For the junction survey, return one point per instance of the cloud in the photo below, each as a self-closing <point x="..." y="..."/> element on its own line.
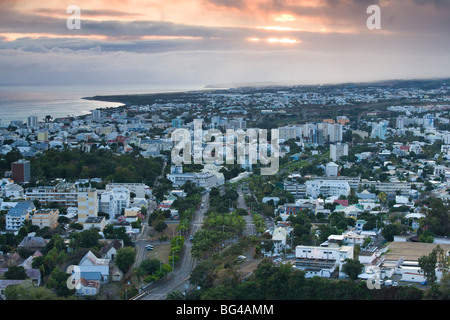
<point x="413" y="42"/>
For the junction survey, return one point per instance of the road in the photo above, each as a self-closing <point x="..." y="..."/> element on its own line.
<point x="250" y="226"/>
<point x="179" y="278"/>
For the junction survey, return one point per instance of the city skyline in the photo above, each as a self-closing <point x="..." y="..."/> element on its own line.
<point x="201" y="42"/>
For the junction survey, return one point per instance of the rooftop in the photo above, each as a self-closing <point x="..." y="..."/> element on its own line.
<point x="411" y="250"/>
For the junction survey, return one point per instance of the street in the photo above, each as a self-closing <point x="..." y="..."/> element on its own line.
<point x="179" y="278"/>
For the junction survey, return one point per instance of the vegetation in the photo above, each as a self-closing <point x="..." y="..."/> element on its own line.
<point x="286" y="283"/>
<point x="73" y="164"/>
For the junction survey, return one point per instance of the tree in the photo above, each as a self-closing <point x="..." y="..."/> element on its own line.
<point x="390" y="231"/>
<point x="125" y="258"/>
<point x="58" y="282"/>
<point x="428" y="265"/>
<point x="175" y="295"/>
<point x="160" y="226"/>
<point x="352" y="268"/>
<point x="149" y="267"/>
<point x="15" y="273"/>
<point x="29" y="292"/>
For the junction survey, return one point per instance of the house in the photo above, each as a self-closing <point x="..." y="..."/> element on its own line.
<point x="5" y="283"/>
<point x="331" y="169"/>
<point x="116" y="274"/>
<point x="14" y="190"/>
<point x="109" y="251"/>
<point x="90" y="259"/>
<point x="93" y="268"/>
<point x="32" y="243"/>
<point x="95" y="222"/>
<point x="33" y="275"/>
<point x="27" y="264"/>
<point x="87" y="287"/>
<point x="279" y="236"/>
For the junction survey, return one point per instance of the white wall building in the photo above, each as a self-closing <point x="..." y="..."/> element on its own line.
<point x="338" y="150"/>
<point x="113" y="202"/>
<point x="331" y="169"/>
<point x="327" y="188"/>
<point x="321" y="261"/>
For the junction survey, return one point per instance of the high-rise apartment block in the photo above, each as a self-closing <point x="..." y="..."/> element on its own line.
<point x="21" y="171"/>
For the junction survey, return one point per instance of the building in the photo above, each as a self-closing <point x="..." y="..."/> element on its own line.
<point x="18" y="214"/>
<point x="391" y="189"/>
<point x="331" y="169"/>
<point x="237" y="123"/>
<point x="13" y="190"/>
<point x="64" y="194"/>
<point x="206" y="179"/>
<point x="42" y="136"/>
<point x="289" y="209"/>
<point x="137" y="188"/>
<point x="32" y="244"/>
<point x="32" y="121"/>
<point x="405" y="257"/>
<point x="87" y="204"/>
<point x="327" y="188"/>
<point x="338" y="150"/>
<point x="298" y="190"/>
<point x="94" y="222"/>
<point x="286" y="133"/>
<point x="115" y="201"/>
<point x="379" y="130"/>
<point x="46" y="218"/>
<point x="322" y="261"/>
<point x="21" y="171"/>
<point x="177" y="123"/>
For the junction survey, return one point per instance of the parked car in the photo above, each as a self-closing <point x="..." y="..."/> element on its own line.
<point x="149" y="247"/>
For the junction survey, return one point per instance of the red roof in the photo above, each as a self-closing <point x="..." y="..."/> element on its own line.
<point x="343" y="203"/>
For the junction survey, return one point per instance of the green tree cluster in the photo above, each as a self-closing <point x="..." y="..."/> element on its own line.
<point x="72" y="164"/>
<point x="286" y="283"/>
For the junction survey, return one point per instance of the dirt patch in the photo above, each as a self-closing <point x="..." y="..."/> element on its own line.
<point x="169" y="233"/>
<point x="160" y="252"/>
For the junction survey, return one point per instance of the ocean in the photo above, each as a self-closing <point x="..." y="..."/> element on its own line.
<point x="20" y="102"/>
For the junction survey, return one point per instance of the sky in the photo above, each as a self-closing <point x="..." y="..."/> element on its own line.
<point x="208" y="42"/>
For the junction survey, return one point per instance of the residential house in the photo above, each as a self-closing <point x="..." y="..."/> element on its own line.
<point x="87" y="287"/>
<point x="94" y="222"/>
<point x="116" y="274"/>
<point x="109" y="250"/>
<point x="93" y="268"/>
<point x="32" y="243"/>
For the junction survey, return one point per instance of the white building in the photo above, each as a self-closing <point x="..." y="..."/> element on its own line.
<point x="17" y="215"/>
<point x="338" y="150"/>
<point x="139" y="189"/>
<point x="206" y="179"/>
<point x="328" y="188"/>
<point x="288" y="132"/>
<point x="331" y="169"/>
<point x="321" y="261"/>
<point x="115" y="201"/>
